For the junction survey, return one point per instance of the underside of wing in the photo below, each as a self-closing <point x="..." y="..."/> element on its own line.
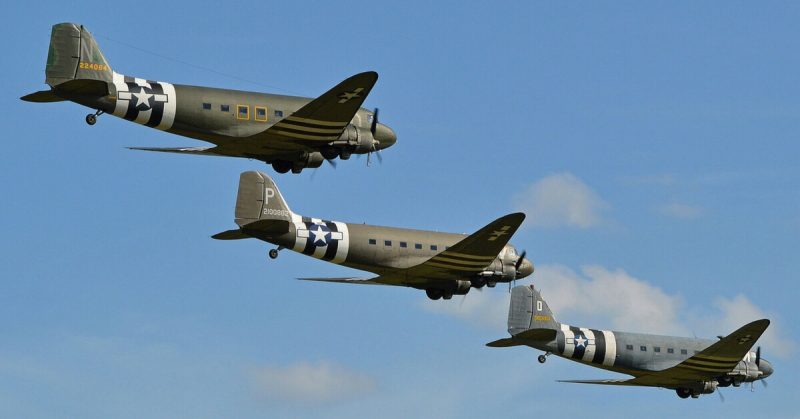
<point x="609" y="382"/>
<point x="378" y="280"/>
<point x="203" y="151"/>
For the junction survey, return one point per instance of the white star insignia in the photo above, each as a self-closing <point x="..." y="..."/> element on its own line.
<point x="319" y="234"/>
<point x="580" y="341"/>
<point x="143" y="98"/>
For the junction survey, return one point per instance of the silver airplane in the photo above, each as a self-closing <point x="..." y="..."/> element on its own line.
<point x="690" y="366"/>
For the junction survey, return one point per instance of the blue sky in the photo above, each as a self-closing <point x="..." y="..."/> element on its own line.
<point x="653" y="146"/>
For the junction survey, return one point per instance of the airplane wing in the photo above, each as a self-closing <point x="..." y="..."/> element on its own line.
<point x="324" y="118"/>
<point x="717" y="359"/>
<point x="204" y="151"/>
<point x="464" y="259"/>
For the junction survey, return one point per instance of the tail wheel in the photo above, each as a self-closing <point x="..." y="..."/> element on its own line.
<point x="91" y="119"/>
<point x="542" y="359"/>
<point x="273" y="253"/>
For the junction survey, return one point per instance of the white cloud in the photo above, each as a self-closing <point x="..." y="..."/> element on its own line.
<point x="684" y="211"/>
<point x="613" y="299"/>
<point x="308" y="383"/>
<point x="561" y="200"/>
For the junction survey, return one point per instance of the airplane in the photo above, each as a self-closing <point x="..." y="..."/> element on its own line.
<point x="690" y="366"/>
<point x="288" y="132"/>
<point x="442" y="264"/>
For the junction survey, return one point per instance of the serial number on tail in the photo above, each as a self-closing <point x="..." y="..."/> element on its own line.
<point x="92" y="66"/>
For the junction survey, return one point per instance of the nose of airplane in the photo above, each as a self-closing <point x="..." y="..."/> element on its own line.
<point x="525" y="269"/>
<point x="385" y="136"/>
<point x="765" y="367"/>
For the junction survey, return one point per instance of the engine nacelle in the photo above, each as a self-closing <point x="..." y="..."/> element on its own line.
<point x="462" y="287"/>
<point x="355" y="139"/>
<point x="708" y="387"/>
<point x="310" y="160"/>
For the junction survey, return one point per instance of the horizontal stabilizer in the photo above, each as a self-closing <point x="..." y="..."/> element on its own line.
<point x="267" y="226"/>
<point x="203" y="151"/>
<point x="505" y="343"/>
<point x="43" y="96"/>
<point x="544" y="335"/>
<point x="231" y="235"/>
<point x="537" y="334"/>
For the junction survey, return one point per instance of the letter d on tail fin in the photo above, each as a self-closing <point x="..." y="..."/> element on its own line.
<point x="259" y="199"/>
<point x="74" y="55"/>
<point x="528" y="310"/>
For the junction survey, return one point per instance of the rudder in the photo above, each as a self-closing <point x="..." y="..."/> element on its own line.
<point x="74" y="55"/>
<point x="528" y="310"/>
<point x="258" y="198"/>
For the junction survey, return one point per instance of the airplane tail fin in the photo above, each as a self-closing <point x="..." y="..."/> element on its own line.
<point x="528" y="310"/>
<point x="259" y="199"/>
<point x="74" y="55"/>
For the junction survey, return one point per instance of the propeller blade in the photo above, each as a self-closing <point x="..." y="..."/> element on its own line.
<point x="764" y="382"/>
<point x="520" y="259"/>
<point x="721" y="397"/>
<point x="758" y="356"/>
<point x="374" y="126"/>
<point x="332" y="163"/>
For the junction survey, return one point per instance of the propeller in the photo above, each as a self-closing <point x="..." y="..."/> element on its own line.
<point x="373" y="129"/>
<point x="520" y="259"/>
<point x="758" y="356"/>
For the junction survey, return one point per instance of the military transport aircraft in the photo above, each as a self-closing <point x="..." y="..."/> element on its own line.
<point x="442" y="264"/>
<point x="689" y="366"/>
<point x="290" y="133"/>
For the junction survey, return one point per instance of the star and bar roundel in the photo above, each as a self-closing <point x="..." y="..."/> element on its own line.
<point x="322" y="239"/>
<point x="145" y="102"/>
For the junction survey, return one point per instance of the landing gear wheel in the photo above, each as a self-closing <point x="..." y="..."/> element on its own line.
<point x="542" y="359"/>
<point x="91" y="119"/>
<point x="434" y="294"/>
<point x="683" y="392"/>
<point x="447" y="296"/>
<point x="329" y="153"/>
<point x="273" y="253"/>
<point x="281" y="166"/>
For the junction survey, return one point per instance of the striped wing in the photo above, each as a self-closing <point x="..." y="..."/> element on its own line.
<point x="470" y="256"/>
<point x="325" y="118"/>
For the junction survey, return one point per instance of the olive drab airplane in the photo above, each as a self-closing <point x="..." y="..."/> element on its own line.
<point x="290" y="133"/>
<point x="442" y="264"/>
<point x="690" y="366"/>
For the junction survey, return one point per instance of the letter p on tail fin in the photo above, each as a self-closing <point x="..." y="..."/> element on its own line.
<point x="259" y="199"/>
<point x="74" y="55"/>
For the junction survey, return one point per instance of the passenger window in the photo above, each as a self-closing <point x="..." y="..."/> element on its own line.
<point x="434" y="247"/>
<point x="225" y="108"/>
<point x="261" y="113"/>
<point x="387" y="242"/>
<point x="670" y="351"/>
<point x="418" y="246"/>
<point x="242" y="112"/>
<point x="643" y="348"/>
<point x="683" y="352"/>
<point x="279" y="114"/>
<point x="372" y="241"/>
<point x="207" y="106"/>
<point x="403" y="244"/>
<point x="629" y="347"/>
<point x="656" y="349"/>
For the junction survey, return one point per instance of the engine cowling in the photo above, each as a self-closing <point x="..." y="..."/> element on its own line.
<point x="355" y="139"/>
<point x="310" y="160"/>
<point x="462" y="287"/>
